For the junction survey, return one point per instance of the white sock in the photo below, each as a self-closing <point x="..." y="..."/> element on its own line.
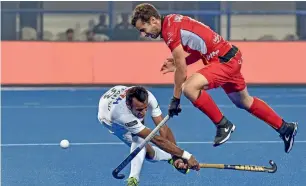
<point x="160" y="155"/>
<point x="137" y="162"/>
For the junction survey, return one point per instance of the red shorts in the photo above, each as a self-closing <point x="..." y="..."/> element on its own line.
<point x="226" y="75"/>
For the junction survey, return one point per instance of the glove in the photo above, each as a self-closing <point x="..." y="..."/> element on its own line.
<point x="174" y="107"/>
<point x="172" y="162"/>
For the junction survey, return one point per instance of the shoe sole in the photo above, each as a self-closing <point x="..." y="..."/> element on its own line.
<point x="293" y="136"/>
<point x="227" y="137"/>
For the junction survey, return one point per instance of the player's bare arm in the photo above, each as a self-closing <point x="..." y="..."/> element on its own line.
<point x="180" y="73"/>
<point x="171" y="148"/>
<point x="165" y="131"/>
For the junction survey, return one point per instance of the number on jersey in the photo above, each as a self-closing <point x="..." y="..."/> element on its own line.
<point x="114" y="96"/>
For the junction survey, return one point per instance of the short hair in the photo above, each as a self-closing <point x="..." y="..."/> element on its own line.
<point x="69" y="30"/>
<point x="138" y="92"/>
<point x="144" y="12"/>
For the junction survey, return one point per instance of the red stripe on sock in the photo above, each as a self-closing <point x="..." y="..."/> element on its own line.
<point x="264" y="112"/>
<point x="207" y="105"/>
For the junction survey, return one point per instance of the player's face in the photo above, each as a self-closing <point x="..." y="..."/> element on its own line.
<point x="138" y="108"/>
<point x="150" y="29"/>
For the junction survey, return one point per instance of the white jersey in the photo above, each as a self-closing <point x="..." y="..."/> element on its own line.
<point x="114" y="111"/>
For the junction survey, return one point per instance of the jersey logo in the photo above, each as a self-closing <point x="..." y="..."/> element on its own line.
<point x="132" y="123"/>
<point x="169" y="41"/>
<point x="217" y="39"/>
<point x="212" y="54"/>
<point x="169" y="34"/>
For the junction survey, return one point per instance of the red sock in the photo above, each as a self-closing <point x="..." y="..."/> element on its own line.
<point x="208" y="107"/>
<point x="262" y="110"/>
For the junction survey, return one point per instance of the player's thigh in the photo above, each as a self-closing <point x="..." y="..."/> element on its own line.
<point x="194" y="84"/>
<point x="196" y="81"/>
<point x="214" y="74"/>
<point x="235" y="84"/>
<point x="235" y="81"/>
<point x="136" y="141"/>
<point x="121" y="133"/>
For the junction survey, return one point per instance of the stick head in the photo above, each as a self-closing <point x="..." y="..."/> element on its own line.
<point x="273" y="169"/>
<point x="118" y="176"/>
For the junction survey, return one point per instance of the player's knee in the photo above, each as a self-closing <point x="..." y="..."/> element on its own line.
<point x="150" y="157"/>
<point x="150" y="153"/>
<point x="193" y="86"/>
<point x="188" y="90"/>
<point x="185" y="89"/>
<point x="239" y="104"/>
<point x="244" y="103"/>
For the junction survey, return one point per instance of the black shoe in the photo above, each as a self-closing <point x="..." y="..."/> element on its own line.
<point x="287" y="133"/>
<point x="224" y="130"/>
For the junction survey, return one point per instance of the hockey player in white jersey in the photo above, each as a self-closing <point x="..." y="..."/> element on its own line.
<point x="122" y="110"/>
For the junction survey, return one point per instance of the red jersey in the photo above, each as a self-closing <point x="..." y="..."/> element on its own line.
<point x="195" y="37"/>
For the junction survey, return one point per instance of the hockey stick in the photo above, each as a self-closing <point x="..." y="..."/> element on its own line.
<point x="251" y="168"/>
<point x="137" y="150"/>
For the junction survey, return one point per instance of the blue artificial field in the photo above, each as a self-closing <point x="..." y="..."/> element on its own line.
<point x="35" y="121"/>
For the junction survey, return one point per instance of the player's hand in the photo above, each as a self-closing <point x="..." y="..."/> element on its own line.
<point x="168" y="66"/>
<point x="174" y="107"/>
<point x="193" y="164"/>
<point x="180" y="163"/>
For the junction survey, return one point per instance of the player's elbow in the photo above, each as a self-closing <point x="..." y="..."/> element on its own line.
<point x="188" y="89"/>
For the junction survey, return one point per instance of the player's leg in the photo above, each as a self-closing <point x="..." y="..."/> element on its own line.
<point x="137" y="162"/>
<point x="237" y="91"/>
<point x="126" y="137"/>
<point x="195" y="90"/>
<point x="263" y="111"/>
<point x="155" y="154"/>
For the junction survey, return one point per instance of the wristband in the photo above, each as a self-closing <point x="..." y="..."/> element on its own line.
<point x="186" y="155"/>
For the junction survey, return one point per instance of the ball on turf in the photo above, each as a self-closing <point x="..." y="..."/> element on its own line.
<point x="64" y="144"/>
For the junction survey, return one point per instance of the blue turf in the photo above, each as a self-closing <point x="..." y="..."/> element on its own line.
<point x="50" y="116"/>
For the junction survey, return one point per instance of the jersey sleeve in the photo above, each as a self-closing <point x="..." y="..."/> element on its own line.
<point x="130" y="123"/>
<point x="171" y="31"/>
<point x="154" y="106"/>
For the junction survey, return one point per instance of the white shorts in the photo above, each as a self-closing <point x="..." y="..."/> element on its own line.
<point x="124" y="135"/>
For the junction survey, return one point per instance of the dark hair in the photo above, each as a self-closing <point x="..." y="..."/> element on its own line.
<point x="144" y="12"/>
<point x="137" y="92"/>
<point x="69" y="30"/>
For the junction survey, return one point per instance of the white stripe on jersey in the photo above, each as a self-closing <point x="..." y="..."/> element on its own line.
<point x="194" y="41"/>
